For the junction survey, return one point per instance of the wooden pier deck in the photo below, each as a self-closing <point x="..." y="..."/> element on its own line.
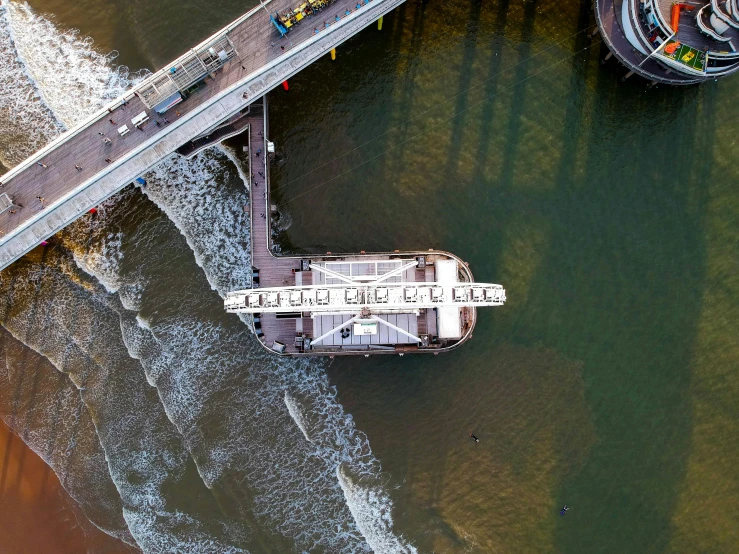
<point x="80" y="169"/>
<point x="274" y="271"/>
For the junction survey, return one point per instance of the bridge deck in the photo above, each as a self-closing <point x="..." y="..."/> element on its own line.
<point x="257" y="43"/>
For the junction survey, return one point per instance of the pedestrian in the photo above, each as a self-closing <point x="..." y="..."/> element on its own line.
<point x="77" y="167"/>
<point x="106" y="140"/>
<point x="256" y="184"/>
<point x="263" y="216"/>
<point x="40" y="199"/>
<point x="110" y="110"/>
<point x="242" y="67"/>
<point x="259" y="151"/>
<point x="111" y="122"/>
<point x="101" y="134"/>
<point x="158" y="124"/>
<point x="140" y="129"/>
<point x="315" y="30"/>
<point x="42" y="165"/>
<point x="245" y="95"/>
<point x="166" y="120"/>
<point x="259" y="133"/>
<point x="12" y="212"/>
<point x="283" y="48"/>
<point x="108" y="160"/>
<point x="272" y="45"/>
<point x="178" y="114"/>
<point x="260" y="173"/>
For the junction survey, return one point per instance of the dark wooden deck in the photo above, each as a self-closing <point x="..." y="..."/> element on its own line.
<point x="257" y="43"/>
<point x="274" y="271"/>
<point x="608" y="15"/>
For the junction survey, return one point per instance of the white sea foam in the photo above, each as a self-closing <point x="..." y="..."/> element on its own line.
<point x="80" y="335"/>
<point x="74" y="329"/>
<point x="211" y="217"/>
<point x="49" y="79"/>
<point x="31" y="396"/>
<point x="71" y="77"/>
<point x="296" y="484"/>
<point x="370" y="506"/>
<point x="26" y="122"/>
<point x="297" y="480"/>
<point x="294" y="410"/>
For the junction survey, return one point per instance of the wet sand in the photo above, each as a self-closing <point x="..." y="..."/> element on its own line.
<point x="36" y="514"/>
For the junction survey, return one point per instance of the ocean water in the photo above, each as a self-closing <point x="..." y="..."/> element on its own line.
<point x="607" y="382"/>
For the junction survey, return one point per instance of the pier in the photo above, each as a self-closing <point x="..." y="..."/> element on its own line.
<point x="349" y="304"/>
<point x="192" y="102"/>
<point x="675" y="43"/>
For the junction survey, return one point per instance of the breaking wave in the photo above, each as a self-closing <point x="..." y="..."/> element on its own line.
<point x="33" y="394"/>
<point x="206" y="368"/>
<point x="301" y="494"/>
<point x="26" y="121"/>
<point x="294" y="410"/>
<point x="70" y="323"/>
<point x="75" y="80"/>
<point x="370" y="506"/>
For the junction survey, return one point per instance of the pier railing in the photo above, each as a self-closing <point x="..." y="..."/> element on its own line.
<point x="104" y="184"/>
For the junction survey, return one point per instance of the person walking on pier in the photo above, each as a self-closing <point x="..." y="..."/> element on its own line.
<point x="101" y="134"/>
<point x="106" y="140"/>
<point x="111" y="122"/>
<point x="108" y="160"/>
<point x="42" y="165"/>
<point x="77" y="167"/>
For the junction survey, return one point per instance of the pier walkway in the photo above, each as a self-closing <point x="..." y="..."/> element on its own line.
<point x="218" y="78"/>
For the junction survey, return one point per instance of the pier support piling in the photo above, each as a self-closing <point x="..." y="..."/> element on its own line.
<point x="629" y="74"/>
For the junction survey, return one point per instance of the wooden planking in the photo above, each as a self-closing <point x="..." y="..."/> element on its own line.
<point x="257" y="43"/>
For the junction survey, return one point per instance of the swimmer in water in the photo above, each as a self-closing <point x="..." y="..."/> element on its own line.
<point x="473" y="437"/>
<point x="563" y="511"/>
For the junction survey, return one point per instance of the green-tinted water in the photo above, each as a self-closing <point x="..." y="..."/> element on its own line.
<point x="609" y="212"/>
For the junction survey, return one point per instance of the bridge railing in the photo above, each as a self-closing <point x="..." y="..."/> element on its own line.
<point x="128" y="95"/>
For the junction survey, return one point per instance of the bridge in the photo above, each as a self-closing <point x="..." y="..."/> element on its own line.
<point x="193" y="102"/>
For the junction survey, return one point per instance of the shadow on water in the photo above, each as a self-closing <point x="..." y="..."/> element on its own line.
<point x="619" y="288"/>
<point x="494" y="70"/>
<point x="410" y="88"/>
<point x="466" y="73"/>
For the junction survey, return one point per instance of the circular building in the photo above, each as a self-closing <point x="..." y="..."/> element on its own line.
<point x="677" y="43"/>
